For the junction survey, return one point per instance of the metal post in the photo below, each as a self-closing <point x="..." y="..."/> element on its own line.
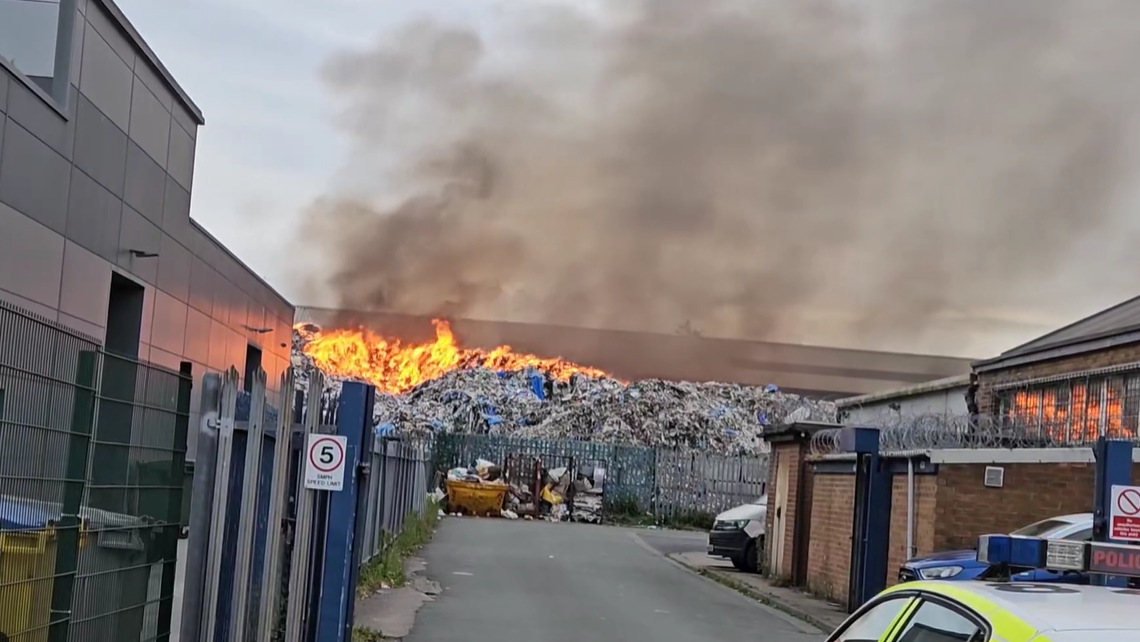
<point x="342" y="550"/>
<point x="173" y="528"/>
<point x="64" y="45"/>
<point x="278" y="496"/>
<point x="201" y="508"/>
<point x="227" y="413"/>
<point x="870" y="534"/>
<point x="1113" y="468"/>
<point x="910" y="552"/>
<point x="68" y="528"/>
<point x="255" y="436"/>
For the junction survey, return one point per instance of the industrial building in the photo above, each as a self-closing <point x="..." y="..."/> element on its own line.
<point x="1073" y="384"/>
<point x="1016" y="433"/>
<point x="97" y="145"/>
<point x="830" y="373"/>
<point x="945" y="398"/>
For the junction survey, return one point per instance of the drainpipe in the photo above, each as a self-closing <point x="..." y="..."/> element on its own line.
<point x="910" y="553"/>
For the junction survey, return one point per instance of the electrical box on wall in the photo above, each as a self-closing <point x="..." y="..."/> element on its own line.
<point x="994" y="477"/>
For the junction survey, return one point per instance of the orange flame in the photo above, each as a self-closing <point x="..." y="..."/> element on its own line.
<point x="396" y="367"/>
<point x="1079" y="420"/>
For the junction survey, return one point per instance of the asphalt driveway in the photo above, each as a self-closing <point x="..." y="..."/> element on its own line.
<point x="522" y="581"/>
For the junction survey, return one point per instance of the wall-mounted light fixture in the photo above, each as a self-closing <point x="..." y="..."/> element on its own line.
<point x="142" y="254"/>
<point x="258" y="330"/>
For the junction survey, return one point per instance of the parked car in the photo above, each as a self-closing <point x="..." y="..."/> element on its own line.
<point x="964" y="564"/>
<point x="738" y="534"/>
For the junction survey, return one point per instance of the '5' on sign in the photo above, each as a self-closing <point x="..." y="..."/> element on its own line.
<point x="324" y="462"/>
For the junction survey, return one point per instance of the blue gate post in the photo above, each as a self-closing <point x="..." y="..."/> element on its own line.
<point x="342" y="542"/>
<point x="1113" y="468"/>
<point x="870" y="537"/>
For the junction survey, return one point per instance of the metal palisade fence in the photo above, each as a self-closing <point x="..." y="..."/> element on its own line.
<point x="266" y="553"/>
<point x="92" y="447"/>
<point x="671" y="485"/>
<point x="401" y="476"/>
<point x="242" y="532"/>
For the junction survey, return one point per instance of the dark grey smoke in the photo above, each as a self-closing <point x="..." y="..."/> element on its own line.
<point x="813" y="170"/>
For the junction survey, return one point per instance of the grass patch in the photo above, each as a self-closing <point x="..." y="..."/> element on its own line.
<point x="626" y="511"/>
<point x="387" y="568"/>
<point x="365" y="634"/>
<point x="690" y="521"/>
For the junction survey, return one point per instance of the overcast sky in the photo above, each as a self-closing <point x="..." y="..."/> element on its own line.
<point x="269" y="147"/>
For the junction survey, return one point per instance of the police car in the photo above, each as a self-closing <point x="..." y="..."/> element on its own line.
<point x="997" y="610"/>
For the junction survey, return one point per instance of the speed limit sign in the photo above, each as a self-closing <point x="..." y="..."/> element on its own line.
<point x="324" y="462"/>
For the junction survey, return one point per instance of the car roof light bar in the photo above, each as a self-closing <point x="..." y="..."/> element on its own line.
<point x="1101" y="558"/>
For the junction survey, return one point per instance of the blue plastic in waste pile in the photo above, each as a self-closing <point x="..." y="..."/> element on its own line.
<point x="491" y="415"/>
<point x="771" y="388"/>
<point x="385" y="428"/>
<point x="762" y="418"/>
<point x="537" y="385"/>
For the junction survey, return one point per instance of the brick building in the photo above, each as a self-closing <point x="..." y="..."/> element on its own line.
<point x="1072" y="384"/>
<point x="1020" y="453"/>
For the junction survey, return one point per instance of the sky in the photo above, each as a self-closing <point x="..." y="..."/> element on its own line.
<point x="270" y="146"/>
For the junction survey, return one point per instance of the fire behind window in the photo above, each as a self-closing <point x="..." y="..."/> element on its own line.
<point x="1077" y="411"/>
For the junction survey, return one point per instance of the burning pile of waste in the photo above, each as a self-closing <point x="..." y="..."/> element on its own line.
<point x="441" y="387"/>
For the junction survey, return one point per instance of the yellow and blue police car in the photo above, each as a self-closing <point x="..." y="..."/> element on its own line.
<point x="995" y="610"/>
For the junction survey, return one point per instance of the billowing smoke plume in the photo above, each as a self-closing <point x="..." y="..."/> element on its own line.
<point x="816" y="170"/>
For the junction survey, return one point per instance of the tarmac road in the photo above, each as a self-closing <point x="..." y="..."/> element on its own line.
<point x="523" y="581"/>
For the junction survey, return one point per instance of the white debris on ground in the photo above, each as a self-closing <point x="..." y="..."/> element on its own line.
<point x="716" y="417"/>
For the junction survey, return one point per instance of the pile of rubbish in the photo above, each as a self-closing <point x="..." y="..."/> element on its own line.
<point x="722" y="418"/>
<point x="716" y="417"/>
<point x="556" y="495"/>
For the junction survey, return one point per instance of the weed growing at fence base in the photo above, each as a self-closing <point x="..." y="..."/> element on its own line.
<point x="364" y="634"/>
<point x="387" y="568"/>
<point x="626" y="511"/>
<point x="690" y="520"/>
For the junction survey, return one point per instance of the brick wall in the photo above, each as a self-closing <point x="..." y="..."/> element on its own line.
<point x="829" y="550"/>
<point x="1103" y="359"/>
<point x="966" y="509"/>
<point x="790" y="455"/>
<point x="952" y="509"/>
<point x="925" y="489"/>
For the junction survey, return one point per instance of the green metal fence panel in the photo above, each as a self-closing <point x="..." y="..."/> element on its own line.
<point x="133" y="505"/>
<point x="682" y="487"/>
<point x="47" y="390"/>
<point x="630" y="484"/>
<point x="694" y="486"/>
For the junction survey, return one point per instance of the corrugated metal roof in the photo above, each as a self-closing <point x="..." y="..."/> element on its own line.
<point x="1120" y="319"/>
<point x="938" y="385"/>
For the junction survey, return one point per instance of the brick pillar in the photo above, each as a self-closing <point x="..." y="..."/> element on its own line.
<point x="789" y="450"/>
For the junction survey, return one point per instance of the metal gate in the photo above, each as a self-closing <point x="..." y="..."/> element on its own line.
<point x="92" y="449"/>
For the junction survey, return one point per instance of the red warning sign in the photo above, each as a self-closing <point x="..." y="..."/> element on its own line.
<point x="1124" y="520"/>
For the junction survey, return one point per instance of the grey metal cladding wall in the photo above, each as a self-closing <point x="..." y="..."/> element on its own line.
<point x="114" y="172"/>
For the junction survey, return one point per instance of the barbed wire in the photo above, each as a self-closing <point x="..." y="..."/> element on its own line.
<point x="940" y="432"/>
